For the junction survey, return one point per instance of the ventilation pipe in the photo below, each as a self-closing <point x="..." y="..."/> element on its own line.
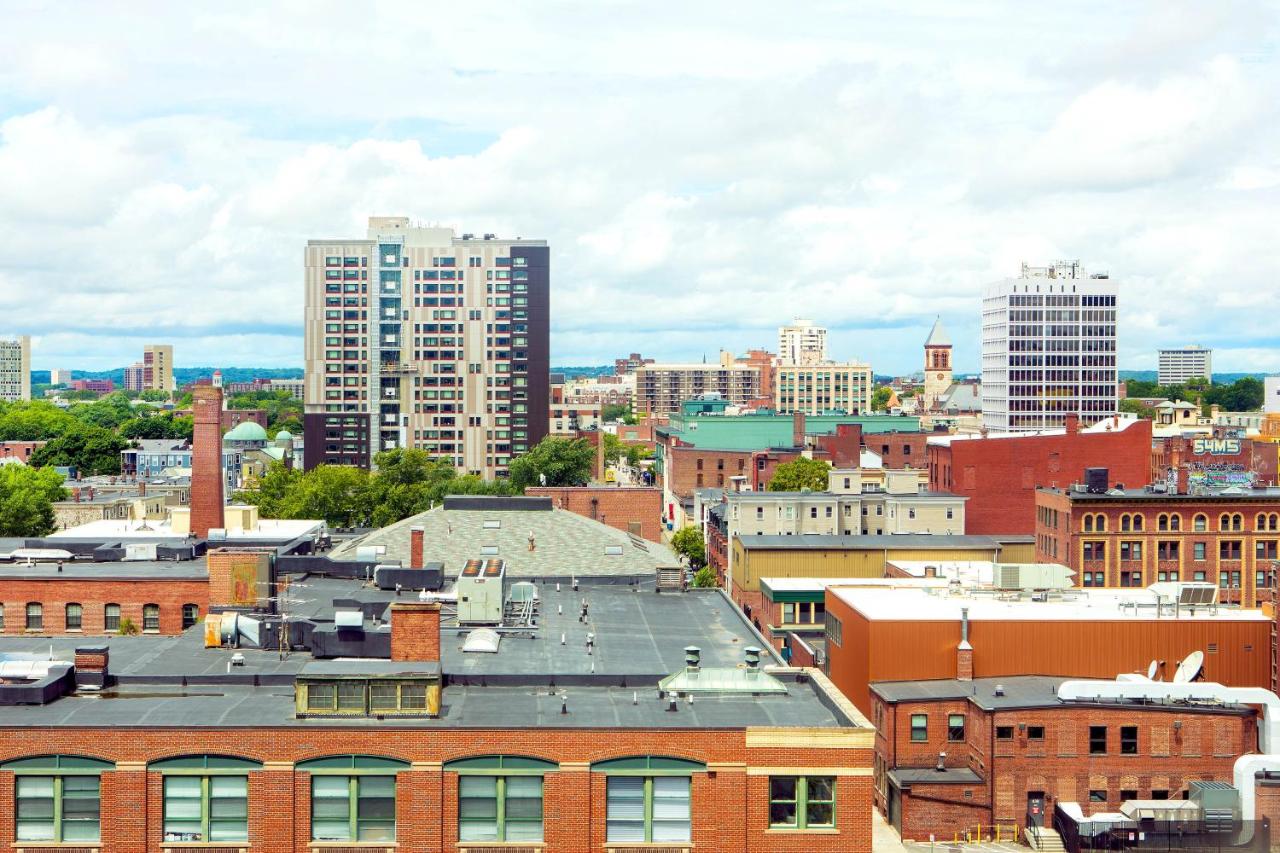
<point x="692" y="658"/>
<point x="1247" y="766"/>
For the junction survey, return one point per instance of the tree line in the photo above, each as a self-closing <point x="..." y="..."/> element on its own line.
<point x="1243" y="395"/>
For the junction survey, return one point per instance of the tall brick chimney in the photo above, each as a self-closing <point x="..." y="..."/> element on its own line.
<point x="797" y="429"/>
<point x="416" y="535"/>
<point x="206" y="460"/>
<point x="415" y="631"/>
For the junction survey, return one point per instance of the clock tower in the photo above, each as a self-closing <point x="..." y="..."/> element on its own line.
<point x="937" y="367"/>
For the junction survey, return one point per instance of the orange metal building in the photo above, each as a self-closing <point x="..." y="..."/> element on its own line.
<point x="914" y="634"/>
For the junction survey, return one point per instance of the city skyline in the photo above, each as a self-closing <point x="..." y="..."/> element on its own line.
<point x="869" y="170"/>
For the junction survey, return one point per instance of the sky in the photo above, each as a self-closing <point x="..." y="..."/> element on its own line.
<point x="702" y="171"/>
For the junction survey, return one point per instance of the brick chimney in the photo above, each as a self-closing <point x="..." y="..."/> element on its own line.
<point x="416" y="535"/>
<point x="415" y="631"/>
<point x="206" y="461"/>
<point x="1184" y="481"/>
<point x="142" y="490"/>
<point x="1072" y="423"/>
<point x="91" y="664"/>
<point x="797" y="429"/>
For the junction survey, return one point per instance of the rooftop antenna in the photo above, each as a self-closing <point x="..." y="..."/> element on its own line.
<point x="1189" y="669"/>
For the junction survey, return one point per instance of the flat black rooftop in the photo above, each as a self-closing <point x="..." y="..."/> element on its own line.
<point x="639" y="637"/>
<point x="907" y="776"/>
<point x="121" y="570"/>
<point x="915" y="541"/>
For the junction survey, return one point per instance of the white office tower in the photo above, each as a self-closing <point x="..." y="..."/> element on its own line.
<point x="802" y="343"/>
<point x="1177" y="366"/>
<point x="1049" y="348"/>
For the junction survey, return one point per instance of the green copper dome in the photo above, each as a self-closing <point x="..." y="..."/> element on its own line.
<point x="246" y="431"/>
<point x="284" y="435"/>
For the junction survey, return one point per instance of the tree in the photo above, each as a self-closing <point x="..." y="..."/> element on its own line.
<point x="705" y="578"/>
<point x="1137" y="407"/>
<point x="613" y="448"/>
<point x="800" y="474"/>
<point x="109" y="412"/>
<point x="880" y="398"/>
<point x="614" y="411"/>
<point x="688" y="543"/>
<point x="637" y="453"/>
<point x="337" y="493"/>
<point x="91" y="450"/>
<point x="272" y="490"/>
<point x="26" y="500"/>
<point x="153" y="395"/>
<point x="158" y="426"/>
<point x="37" y="420"/>
<point x="562" y="461"/>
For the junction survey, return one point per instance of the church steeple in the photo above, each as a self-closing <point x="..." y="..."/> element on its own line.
<point x="937" y="366"/>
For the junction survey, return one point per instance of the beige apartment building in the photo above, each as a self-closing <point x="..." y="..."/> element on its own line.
<point x="858" y="502"/>
<point x="802" y="342"/>
<point x="816" y="389"/>
<point x="15" y="368"/>
<point x="418" y="337"/>
<point x="661" y="388"/>
<point x="154" y="372"/>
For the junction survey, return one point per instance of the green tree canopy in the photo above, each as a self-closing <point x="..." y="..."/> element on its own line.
<point x="799" y="474"/>
<point x="91" y="450"/>
<point x="688" y="542"/>
<point x="563" y="461"/>
<point x="158" y="426"/>
<point x="880" y="398"/>
<point x="36" y="420"/>
<point x="1137" y="407"/>
<point x="26" y="500"/>
<point x="108" y="412"/>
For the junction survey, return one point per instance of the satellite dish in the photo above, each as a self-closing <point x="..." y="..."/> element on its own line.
<point x="1151" y="669"/>
<point x="1189" y="669"/>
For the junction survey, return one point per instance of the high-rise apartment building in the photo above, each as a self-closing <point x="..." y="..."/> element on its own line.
<point x="661" y="388"/>
<point x="1176" y="366"/>
<point x="1048" y="348"/>
<point x="802" y="343"/>
<point x="157" y="367"/>
<point x="59" y="376"/>
<point x="817" y="389"/>
<point x="416" y="337"/>
<point x="15" y="368"/>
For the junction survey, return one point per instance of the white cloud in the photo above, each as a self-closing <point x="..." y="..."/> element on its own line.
<point x="701" y="176"/>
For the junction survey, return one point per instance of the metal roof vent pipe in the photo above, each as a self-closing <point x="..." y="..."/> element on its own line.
<point x="692" y="658"/>
<point x="999" y="690"/>
<point x="753" y="657"/>
<point x="942" y="762"/>
<point x="671" y="702"/>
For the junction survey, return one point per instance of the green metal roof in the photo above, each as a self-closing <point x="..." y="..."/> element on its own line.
<point x="759" y="432"/>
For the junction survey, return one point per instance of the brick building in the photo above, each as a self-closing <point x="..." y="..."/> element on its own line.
<point x="1135" y="537"/>
<point x="20" y="450"/>
<point x="999" y="472"/>
<point x="51" y="599"/>
<point x="207" y="499"/>
<point x="953" y="754"/>
<point x="430" y="748"/>
<point x="635" y="510"/>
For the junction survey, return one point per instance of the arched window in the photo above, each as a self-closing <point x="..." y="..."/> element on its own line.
<point x="1237" y="521"/>
<point x="74" y="617"/>
<point x="1124" y="523"/>
<point x="353" y="797"/>
<point x="500" y="797"/>
<point x="57" y="798"/>
<point x="190" y="615"/>
<point x="1087" y="523"/>
<point x="35" y="616"/>
<point x="1201" y="523"/>
<point x="111" y="617"/>
<point x="648" y="798"/>
<point x="1162" y="522"/>
<point x="205" y="797"/>
<point x="1100" y="523"/>
<point x="151" y="617"/>
<point x="1139" y="522"/>
<point x="1274" y="521"/>
<point x="1175" y="521"/>
<point x="1224" y="521"/>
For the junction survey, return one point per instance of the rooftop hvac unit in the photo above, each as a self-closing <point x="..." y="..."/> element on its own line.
<point x="1095" y="480"/>
<point x="481" y="590"/>
<point x="1219" y="804"/>
<point x="1031" y="576"/>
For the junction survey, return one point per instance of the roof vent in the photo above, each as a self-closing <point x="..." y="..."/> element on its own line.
<point x="692" y="657"/>
<point x="753" y="657"/>
<point x="942" y="762"/>
<point x="999" y="689"/>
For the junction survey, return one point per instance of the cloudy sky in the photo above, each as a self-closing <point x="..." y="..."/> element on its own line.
<point x="701" y="170"/>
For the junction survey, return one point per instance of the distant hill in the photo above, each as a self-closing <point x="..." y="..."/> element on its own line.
<point x="1218" y="378"/>
<point x="183" y="375"/>
<point x="574" y="372"/>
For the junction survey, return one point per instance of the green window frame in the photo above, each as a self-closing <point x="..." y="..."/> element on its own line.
<point x="205" y="797"/>
<point x="500" y="797"/>
<point x="353" y="797"/>
<point x="649" y="799"/>
<point x="919" y="728"/>
<point x="57" y="798"/>
<point x="802" y="802"/>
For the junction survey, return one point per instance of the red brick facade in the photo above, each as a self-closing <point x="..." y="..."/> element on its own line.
<point x="999" y="476"/>
<point x="22" y="450"/>
<point x="207" y="500"/>
<point x="689" y="468"/>
<point x="899" y="449"/>
<point x="54" y="594"/>
<point x="238" y="578"/>
<point x="635" y="510"/>
<point x="1174" y="746"/>
<point x="730" y="802"/>
<point x="1198" y="454"/>
<point x="1232" y="542"/>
